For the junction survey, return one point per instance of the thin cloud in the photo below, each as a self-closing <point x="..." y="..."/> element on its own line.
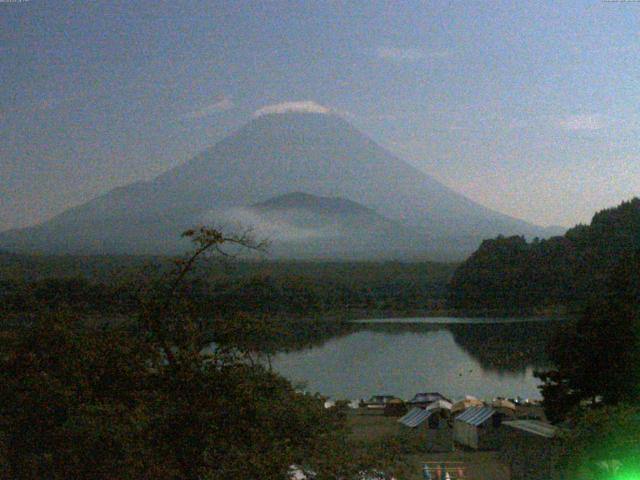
<point x="411" y="54"/>
<point x="581" y="122"/>
<point x="306" y="106"/>
<point x="220" y="105"/>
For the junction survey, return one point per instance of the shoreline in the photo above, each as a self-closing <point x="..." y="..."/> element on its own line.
<point x="357" y="315"/>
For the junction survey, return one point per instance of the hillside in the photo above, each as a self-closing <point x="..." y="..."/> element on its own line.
<point x="509" y="273"/>
<point x="307" y="226"/>
<point x="313" y="203"/>
<point x="273" y="155"/>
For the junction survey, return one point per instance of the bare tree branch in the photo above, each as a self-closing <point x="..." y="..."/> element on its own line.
<point x="206" y="240"/>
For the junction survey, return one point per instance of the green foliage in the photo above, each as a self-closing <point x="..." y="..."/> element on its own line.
<point x="62" y="389"/>
<point x="594" y="388"/>
<point x="56" y="293"/>
<point x="106" y="286"/>
<point x="597" y="358"/>
<point x="77" y="401"/>
<point x="80" y="403"/>
<point x="604" y="444"/>
<point x="511" y="275"/>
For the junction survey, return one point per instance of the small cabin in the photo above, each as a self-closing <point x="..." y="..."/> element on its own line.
<point x="421" y="418"/>
<point x="464" y="403"/>
<point x="428" y="428"/>
<point x="531" y="448"/>
<point x="426" y="398"/>
<point x="504" y="407"/>
<point x="477" y="428"/>
<point x="378" y="402"/>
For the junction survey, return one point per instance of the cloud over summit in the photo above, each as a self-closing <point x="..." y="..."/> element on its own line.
<point x="582" y="122"/>
<point x="220" y="104"/>
<point x="306" y="106"/>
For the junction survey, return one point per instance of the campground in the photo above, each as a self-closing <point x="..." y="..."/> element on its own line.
<point x="368" y="427"/>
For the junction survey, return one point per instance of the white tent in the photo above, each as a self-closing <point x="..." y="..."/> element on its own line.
<point x="440" y="405"/>
<point x="467" y="402"/>
<point x="502" y="403"/>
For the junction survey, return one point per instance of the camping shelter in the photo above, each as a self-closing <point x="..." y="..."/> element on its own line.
<point x="531" y="448"/>
<point x="467" y="402"/>
<point x="379" y="401"/>
<point x="440" y="405"/>
<point x="426" y="398"/>
<point x="415" y="417"/>
<point x="477" y="428"/>
<point x="504" y="407"/>
<point x="429" y="428"/>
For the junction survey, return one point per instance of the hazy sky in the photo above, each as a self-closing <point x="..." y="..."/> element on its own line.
<point x="531" y="108"/>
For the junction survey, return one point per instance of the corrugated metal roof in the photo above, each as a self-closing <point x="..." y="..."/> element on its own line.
<point x="415" y="417"/>
<point x="533" y="426"/>
<point x="476" y="415"/>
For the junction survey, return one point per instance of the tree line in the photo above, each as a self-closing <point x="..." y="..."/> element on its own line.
<point x="277" y="289"/>
<point x="511" y="275"/>
<point x="593" y="389"/>
<point x="147" y="400"/>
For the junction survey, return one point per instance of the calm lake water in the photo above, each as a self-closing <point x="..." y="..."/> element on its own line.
<point x="400" y="357"/>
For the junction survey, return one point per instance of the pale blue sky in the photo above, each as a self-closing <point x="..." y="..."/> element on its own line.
<point x="531" y="108"/>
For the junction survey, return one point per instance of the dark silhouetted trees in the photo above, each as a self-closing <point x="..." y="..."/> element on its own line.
<point x="597" y="358"/>
<point x="513" y="276"/>
<point x="147" y="400"/>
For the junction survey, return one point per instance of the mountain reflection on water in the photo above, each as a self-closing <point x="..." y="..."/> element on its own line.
<point x="500" y="347"/>
<point x="480" y="358"/>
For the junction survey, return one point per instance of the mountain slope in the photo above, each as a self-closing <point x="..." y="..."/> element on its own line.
<point x="309" y="226"/>
<point x="272" y="155"/>
<point x="313" y="203"/>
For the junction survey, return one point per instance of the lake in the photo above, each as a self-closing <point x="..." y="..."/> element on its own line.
<point x="401" y="357"/>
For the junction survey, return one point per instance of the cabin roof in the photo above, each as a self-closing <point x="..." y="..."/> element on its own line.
<point x="476" y="416"/>
<point x="535" y="427"/>
<point x="415" y="417"/>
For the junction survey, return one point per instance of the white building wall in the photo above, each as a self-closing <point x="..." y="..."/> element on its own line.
<point x="465" y="434"/>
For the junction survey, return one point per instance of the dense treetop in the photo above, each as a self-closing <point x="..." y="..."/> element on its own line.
<point x="509" y="273"/>
<point x="154" y="399"/>
<point x="106" y="285"/>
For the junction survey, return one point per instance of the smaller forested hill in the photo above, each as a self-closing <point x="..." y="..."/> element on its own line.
<point x="305" y="226"/>
<point x="511" y="274"/>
